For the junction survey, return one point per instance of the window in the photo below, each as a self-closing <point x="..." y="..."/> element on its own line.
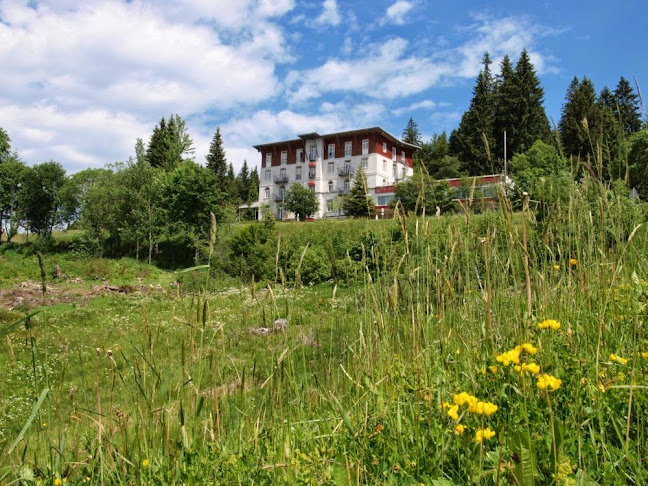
<point x="311" y="173"/>
<point x="331" y="151"/>
<point x="394" y="171"/>
<point x="282" y="193"/>
<point x="267" y="175"/>
<point x="313" y="152"/>
<point x="403" y="156"/>
<point x="284" y="157"/>
<point x="330" y="185"/>
<point x="300" y="155"/>
<point x="312" y="188"/>
<point x="384" y="182"/>
<point x="393" y="153"/>
<point x="282" y="174"/>
<point x="384" y="200"/>
<point x="298" y="173"/>
<point x="384" y="165"/>
<point x="348" y="147"/>
<point x="329" y="205"/>
<point x="365" y="146"/>
<point x="365" y="163"/>
<point x="384" y="147"/>
<point x="268" y="159"/>
<point x="347" y="187"/>
<point x="267" y="193"/>
<point x="331" y="167"/>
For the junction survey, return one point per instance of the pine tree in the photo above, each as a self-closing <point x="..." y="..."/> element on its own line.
<point x="359" y="203"/>
<point x="532" y="119"/>
<point x="156" y="150"/>
<point x="253" y="193"/>
<point x="169" y="143"/>
<point x="243" y="183"/>
<point x="216" y="160"/>
<point x="628" y="106"/>
<point x="472" y="142"/>
<point x="507" y="111"/>
<point x="411" y="133"/>
<point x="580" y="120"/>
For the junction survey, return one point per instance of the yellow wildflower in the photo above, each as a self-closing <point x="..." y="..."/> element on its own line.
<point x="618" y="359"/>
<point x="529" y="348"/>
<point x="453" y="412"/>
<point x="484" y="434"/>
<point x="446" y="405"/>
<point x="464" y="398"/>
<point x="556" y="267"/>
<point x="548" y="382"/>
<point x="483" y="408"/>
<point x="549" y="324"/>
<point x="145" y="463"/>
<point x="58" y="482"/>
<point x="459" y="429"/>
<point x="573" y="262"/>
<point x="512" y="356"/>
<point x="531" y="368"/>
<point x="493" y="369"/>
<point x="518" y="369"/>
<point x="644" y="355"/>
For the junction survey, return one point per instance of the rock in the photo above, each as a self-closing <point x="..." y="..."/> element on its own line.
<point x="280" y="325"/>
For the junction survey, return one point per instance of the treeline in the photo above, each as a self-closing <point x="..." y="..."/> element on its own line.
<point x="159" y="197"/>
<point x="602" y="134"/>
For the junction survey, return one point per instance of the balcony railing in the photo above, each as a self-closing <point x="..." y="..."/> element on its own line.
<point x="279" y="197"/>
<point x="342" y="191"/>
<point x="312" y="156"/>
<point x="311" y="174"/>
<point x="281" y="179"/>
<point x="345" y="171"/>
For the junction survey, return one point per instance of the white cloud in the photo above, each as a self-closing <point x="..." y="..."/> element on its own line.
<point x="424" y="104"/>
<point x="396" y="12"/>
<point x="330" y="14"/>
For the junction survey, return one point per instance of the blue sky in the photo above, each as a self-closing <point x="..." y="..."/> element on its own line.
<point x="82" y="80"/>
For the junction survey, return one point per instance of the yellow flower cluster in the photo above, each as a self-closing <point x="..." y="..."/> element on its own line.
<point x="549" y="324"/>
<point x="619" y="359"/>
<point x="530" y="367"/>
<point x="573" y="262"/>
<point x="483" y="434"/>
<point x="513" y="356"/>
<point x="548" y="382"/>
<point x="464" y="398"/>
<point x="459" y="429"/>
<point x="453" y="412"/>
<point x="483" y="408"/>
<point x="644" y="355"/>
<point x="474" y="405"/>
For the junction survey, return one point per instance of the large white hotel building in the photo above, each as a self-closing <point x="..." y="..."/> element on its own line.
<point x="326" y="164"/>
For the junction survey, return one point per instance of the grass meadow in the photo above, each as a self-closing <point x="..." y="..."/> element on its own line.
<point x="496" y="348"/>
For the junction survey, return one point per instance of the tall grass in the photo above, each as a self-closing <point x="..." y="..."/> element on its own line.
<point x="175" y="390"/>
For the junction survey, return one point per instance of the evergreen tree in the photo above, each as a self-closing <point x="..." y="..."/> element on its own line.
<point x="359" y="203"/>
<point x="580" y="118"/>
<point x="411" y="133"/>
<point x="253" y="193"/>
<point x="156" y="150"/>
<point x="628" y="106"/>
<point x="532" y="119"/>
<point x="606" y="99"/>
<point x="169" y="142"/>
<point x="472" y="142"/>
<point x="243" y="183"/>
<point x="507" y="111"/>
<point x="216" y="160"/>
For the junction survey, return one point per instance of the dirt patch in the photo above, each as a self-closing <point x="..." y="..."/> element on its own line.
<point x="28" y="295"/>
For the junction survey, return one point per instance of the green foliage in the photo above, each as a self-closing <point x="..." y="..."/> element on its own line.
<point x="12" y="177"/>
<point x="580" y="119"/>
<point x="627" y="107"/>
<point x="5" y="145"/>
<point x="40" y="198"/>
<point x="359" y="203"/>
<point x="411" y="133"/>
<point x="638" y="163"/>
<point x="217" y="163"/>
<point x="252" y="250"/>
<point x="169" y="144"/>
<point x="421" y="194"/>
<point x="301" y="201"/>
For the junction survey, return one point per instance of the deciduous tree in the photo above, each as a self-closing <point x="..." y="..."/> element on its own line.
<point x="301" y="201"/>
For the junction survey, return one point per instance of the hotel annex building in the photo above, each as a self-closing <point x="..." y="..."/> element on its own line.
<point x="327" y="164"/>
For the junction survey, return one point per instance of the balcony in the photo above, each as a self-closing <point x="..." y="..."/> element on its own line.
<point x="279" y="197"/>
<point x="343" y="191"/>
<point x="311" y="174"/>
<point x="345" y="171"/>
<point x="312" y="156"/>
<point x="312" y="164"/>
<point x="281" y="179"/>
